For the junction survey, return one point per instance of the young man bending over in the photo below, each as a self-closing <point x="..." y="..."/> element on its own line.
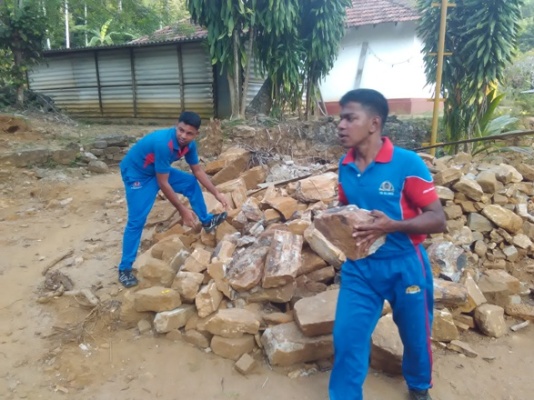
<point x="146" y="169"/>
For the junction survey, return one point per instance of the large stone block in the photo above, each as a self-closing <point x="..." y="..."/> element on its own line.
<point x="157" y="299"/>
<point x="283" y="260"/>
<point x="232" y="348"/>
<point x="246" y="269"/>
<point x="317" y="188"/>
<point x="208" y="300"/>
<point x="167" y="321"/>
<point x="188" y="284"/>
<point x="503" y="218"/>
<point x="470" y="188"/>
<point x="285" y="345"/>
<point x="490" y="320"/>
<point x="315" y="315"/>
<point x="337" y="226"/>
<point x="443" y="328"/>
<point x="387" y="348"/>
<point x="233" y="323"/>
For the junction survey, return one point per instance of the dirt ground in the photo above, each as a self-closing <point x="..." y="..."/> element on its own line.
<point x="68" y="209"/>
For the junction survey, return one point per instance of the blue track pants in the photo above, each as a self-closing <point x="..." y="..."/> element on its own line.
<point x="140" y="197"/>
<point x="406" y="282"/>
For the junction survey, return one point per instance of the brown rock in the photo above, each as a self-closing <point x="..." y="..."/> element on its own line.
<point x="232" y="348"/>
<point x="449" y="294"/>
<point x="129" y="317"/>
<point x="443" y="328"/>
<point x="315" y="315"/>
<point x="207" y="239"/>
<point x="167" y="321"/>
<point x="387" y="348"/>
<point x="478" y="223"/>
<point x="465" y="319"/>
<point x="475" y="297"/>
<point x="522" y="241"/>
<point x="245" y="365"/>
<point x="317" y="188"/>
<point x="272" y="216"/>
<point x="176" y="229"/>
<point x="154" y="272"/>
<point x="468" y="206"/>
<point x="198" y="261"/>
<point x="281" y="294"/>
<point x="277" y="318"/>
<point x="511" y="253"/>
<point x="490" y="320"/>
<point x="246" y="269"/>
<point x="223" y="230"/>
<point x="326" y="250"/>
<point x="298" y="226"/>
<point x="286" y="206"/>
<point x="324" y="275"/>
<point x="337" y="225"/>
<point x="196" y="338"/>
<point x="527" y="171"/>
<point x="470" y="188"/>
<point x="453" y="212"/>
<point x="444" y="193"/>
<point x="310" y="262"/>
<point x="215" y="166"/>
<point x="447" y="176"/>
<point x="254" y="176"/>
<point x="523" y="311"/>
<point x="503" y="218"/>
<point x="233" y="323"/>
<point x="167" y="248"/>
<point x="224" y="251"/>
<point x="208" y="300"/>
<point x="144" y="326"/>
<point x="283" y="260"/>
<point x="463" y="348"/>
<point x="507" y="174"/>
<point x="286" y="345"/>
<point x="487" y="181"/>
<point x="499" y="276"/>
<point x="157" y="299"/>
<point x="179" y="260"/>
<point x="187" y="284"/>
<point x="217" y="271"/>
<point x="231" y="170"/>
<point x="251" y="210"/>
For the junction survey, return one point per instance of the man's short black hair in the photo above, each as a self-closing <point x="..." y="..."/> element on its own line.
<point x="369" y="98"/>
<point x="190" y="118"/>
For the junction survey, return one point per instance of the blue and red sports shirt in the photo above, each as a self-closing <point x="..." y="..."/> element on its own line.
<point x="155" y="153"/>
<point x="397" y="182"/>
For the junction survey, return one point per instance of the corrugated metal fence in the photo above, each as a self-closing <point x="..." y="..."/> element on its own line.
<point x="139" y="82"/>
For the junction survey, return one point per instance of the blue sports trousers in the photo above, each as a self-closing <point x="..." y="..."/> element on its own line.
<point x="406" y="282"/>
<point x="141" y="194"/>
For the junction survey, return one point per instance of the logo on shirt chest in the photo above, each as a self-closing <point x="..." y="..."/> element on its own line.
<point x="386" y="189"/>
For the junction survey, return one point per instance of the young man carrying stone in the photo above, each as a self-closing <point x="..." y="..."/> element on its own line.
<point x="396" y="185"/>
<point x="147" y="168"/>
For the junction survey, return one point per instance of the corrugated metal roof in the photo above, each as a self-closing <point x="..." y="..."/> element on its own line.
<point x="373" y="12"/>
<point x="172" y="34"/>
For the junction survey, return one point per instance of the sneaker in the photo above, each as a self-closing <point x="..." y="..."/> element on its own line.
<point x="215" y="221"/>
<point x="419" y="395"/>
<point x="128" y="279"/>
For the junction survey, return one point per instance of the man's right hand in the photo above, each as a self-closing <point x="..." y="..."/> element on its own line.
<point x="188" y="217"/>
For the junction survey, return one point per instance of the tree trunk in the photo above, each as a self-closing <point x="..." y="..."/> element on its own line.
<point x="67" y="31"/>
<point x="309" y="88"/>
<point x="236" y="109"/>
<point x="234" y="101"/>
<point x="17" y="58"/>
<point x="247" y="72"/>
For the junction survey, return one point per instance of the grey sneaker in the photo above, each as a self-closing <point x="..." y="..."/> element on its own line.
<point x="419" y="395"/>
<point x="215" y="221"/>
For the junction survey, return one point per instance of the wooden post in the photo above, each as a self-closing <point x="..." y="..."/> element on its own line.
<point x="99" y="88"/>
<point x="181" y="74"/>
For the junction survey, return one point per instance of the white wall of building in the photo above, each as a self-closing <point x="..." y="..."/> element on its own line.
<point x="393" y="66"/>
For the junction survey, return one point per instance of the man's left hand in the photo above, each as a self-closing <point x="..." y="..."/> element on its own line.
<point x="366" y="234"/>
<point x="221" y="198"/>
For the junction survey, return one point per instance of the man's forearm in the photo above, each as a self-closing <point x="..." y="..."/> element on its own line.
<point x="425" y="223"/>
<point x="171" y="196"/>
